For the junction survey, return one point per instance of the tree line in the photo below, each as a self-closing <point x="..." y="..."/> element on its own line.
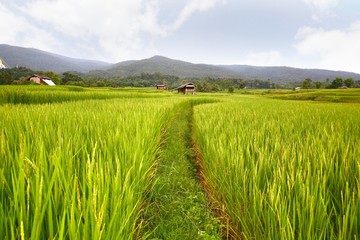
<point x="336" y="83"/>
<point x="20" y="75"/>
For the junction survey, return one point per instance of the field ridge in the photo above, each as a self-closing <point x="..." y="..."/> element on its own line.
<point x="178" y="206"/>
<point x="228" y="229"/>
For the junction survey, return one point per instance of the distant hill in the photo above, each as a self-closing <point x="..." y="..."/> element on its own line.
<point x="45" y="61"/>
<point x="189" y="70"/>
<point x="289" y="74"/>
<point x="165" y="66"/>
<point x="41" y="60"/>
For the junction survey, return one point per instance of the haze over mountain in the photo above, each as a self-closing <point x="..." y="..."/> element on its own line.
<point x="190" y="70"/>
<point x="166" y="66"/>
<point x="289" y="74"/>
<point x="45" y="61"/>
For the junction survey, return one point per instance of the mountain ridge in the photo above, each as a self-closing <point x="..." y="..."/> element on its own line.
<point x="40" y="60"/>
<point x="46" y="61"/>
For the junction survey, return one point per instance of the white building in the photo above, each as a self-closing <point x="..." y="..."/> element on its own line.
<point x="2" y="66"/>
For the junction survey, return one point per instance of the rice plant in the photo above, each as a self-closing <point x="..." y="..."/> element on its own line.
<point x="283" y="169"/>
<point x="46" y="94"/>
<point x="77" y="170"/>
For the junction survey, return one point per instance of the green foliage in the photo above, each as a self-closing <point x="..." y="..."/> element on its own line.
<point x="5" y="78"/>
<point x="306" y="84"/>
<point x="283" y="169"/>
<point x="23" y="81"/>
<point x="77" y="170"/>
<point x="206" y="84"/>
<point x="349" y="82"/>
<point x="337" y="82"/>
<point x="20" y="75"/>
<point x="82" y="166"/>
<point x="318" y="84"/>
<point x="9" y="75"/>
<point x="241" y="84"/>
<point x="71" y="78"/>
<point x="178" y="207"/>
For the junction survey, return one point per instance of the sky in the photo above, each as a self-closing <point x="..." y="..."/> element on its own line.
<point x="297" y="33"/>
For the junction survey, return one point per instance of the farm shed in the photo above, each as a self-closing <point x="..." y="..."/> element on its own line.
<point x="160" y="87"/>
<point x="187" y="88"/>
<point x="43" y="80"/>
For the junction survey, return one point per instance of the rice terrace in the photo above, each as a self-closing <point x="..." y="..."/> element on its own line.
<point x="132" y="163"/>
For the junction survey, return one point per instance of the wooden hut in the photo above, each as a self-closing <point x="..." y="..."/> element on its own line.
<point x="43" y="80"/>
<point x="160" y="87"/>
<point x="187" y="88"/>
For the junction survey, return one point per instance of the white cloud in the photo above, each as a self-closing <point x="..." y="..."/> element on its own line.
<point x="323" y="9"/>
<point x="112" y="30"/>
<point x="333" y="49"/>
<point x="16" y="30"/>
<point x="113" y="26"/>
<point x="269" y="58"/>
<point x="191" y="7"/>
<point x="322" y="5"/>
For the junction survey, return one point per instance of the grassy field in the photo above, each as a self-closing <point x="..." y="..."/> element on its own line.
<point x="77" y="170"/>
<point x="283" y="169"/>
<point x="101" y="163"/>
<point x="323" y="95"/>
<point x="45" y="94"/>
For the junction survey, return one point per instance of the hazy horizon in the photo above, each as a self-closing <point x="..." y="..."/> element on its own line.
<point x="322" y="34"/>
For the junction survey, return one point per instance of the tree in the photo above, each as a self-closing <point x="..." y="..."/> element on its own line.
<point x="23" y="81"/>
<point x="337" y="82"/>
<point x="306" y="84"/>
<point x="349" y="82"/>
<point x="205" y="86"/>
<point x="318" y="84"/>
<point x="5" y="78"/>
<point x="241" y="84"/>
<point x="70" y="78"/>
<point x="9" y="75"/>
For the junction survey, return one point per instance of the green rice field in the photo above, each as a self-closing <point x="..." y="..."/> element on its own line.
<point x="283" y="169"/>
<point x="95" y="163"/>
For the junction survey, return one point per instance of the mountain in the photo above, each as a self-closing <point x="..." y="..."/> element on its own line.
<point x="289" y="74"/>
<point x="41" y="60"/>
<point x="190" y="70"/>
<point x="165" y="66"/>
<point x="44" y="61"/>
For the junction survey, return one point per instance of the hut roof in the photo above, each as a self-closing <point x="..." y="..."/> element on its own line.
<point x="46" y="79"/>
<point x="186" y="85"/>
<point x="49" y="82"/>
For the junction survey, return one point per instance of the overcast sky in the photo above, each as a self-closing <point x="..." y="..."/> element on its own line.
<point x="298" y="33"/>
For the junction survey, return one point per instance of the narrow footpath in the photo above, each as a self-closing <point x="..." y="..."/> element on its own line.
<point x="178" y="205"/>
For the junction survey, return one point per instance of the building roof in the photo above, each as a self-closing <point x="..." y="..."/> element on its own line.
<point x="49" y="82"/>
<point x="42" y="77"/>
<point x="186" y="85"/>
<point x="45" y="79"/>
